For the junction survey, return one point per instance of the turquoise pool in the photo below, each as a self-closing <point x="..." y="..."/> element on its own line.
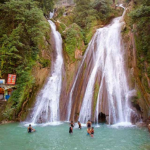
<point x="15" y="137"/>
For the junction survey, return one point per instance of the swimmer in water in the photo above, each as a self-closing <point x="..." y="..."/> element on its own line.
<point x="79" y="124"/>
<point x="89" y="124"/>
<point x="71" y="129"/>
<point x="72" y="124"/>
<point x="92" y="132"/>
<point x="30" y="129"/>
<point x="88" y="131"/>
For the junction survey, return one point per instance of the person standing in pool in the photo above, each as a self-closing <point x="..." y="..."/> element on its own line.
<point x="72" y="124"/>
<point x="79" y="124"/>
<point x="89" y="124"/>
<point x="30" y="129"/>
<point x="88" y="131"/>
<point x="92" y="132"/>
<point x="71" y="129"/>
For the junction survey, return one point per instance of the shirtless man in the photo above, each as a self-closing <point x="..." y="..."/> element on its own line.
<point x="30" y="129"/>
<point x="71" y="129"/>
<point x="92" y="132"/>
<point x="79" y="124"/>
<point x="89" y="124"/>
<point x="88" y="131"/>
<point x="72" y="124"/>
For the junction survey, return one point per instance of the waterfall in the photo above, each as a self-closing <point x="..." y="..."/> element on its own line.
<point x="77" y="76"/>
<point x="51" y="14"/>
<point x="114" y="74"/>
<point x="85" y="112"/>
<point x="109" y="68"/>
<point x="47" y="105"/>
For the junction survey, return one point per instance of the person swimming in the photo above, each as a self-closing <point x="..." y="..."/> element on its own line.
<point x="71" y="129"/>
<point x="30" y="129"/>
<point x="92" y="132"/>
<point x="72" y="124"/>
<point x="79" y="125"/>
<point x="88" y="131"/>
<point x="89" y="124"/>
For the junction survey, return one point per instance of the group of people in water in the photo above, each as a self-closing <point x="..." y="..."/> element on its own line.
<point x="72" y="125"/>
<point x="90" y="129"/>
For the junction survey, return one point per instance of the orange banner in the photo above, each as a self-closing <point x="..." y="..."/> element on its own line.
<point x="11" y="79"/>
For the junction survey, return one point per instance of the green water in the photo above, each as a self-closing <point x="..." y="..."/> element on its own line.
<point x="15" y="137"/>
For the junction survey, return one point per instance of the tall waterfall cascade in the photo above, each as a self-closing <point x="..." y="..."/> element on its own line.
<point x="74" y="84"/>
<point x="47" y="104"/>
<point x="109" y="67"/>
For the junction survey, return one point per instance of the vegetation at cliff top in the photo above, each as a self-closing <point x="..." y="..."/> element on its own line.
<point x="87" y="11"/>
<point x="45" y="5"/>
<point x="73" y="39"/>
<point x="86" y="15"/>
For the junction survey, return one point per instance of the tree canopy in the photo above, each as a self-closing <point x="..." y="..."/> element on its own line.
<point x="87" y="11"/>
<point x="21" y="27"/>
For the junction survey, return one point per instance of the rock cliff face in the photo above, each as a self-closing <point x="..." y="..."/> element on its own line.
<point x="141" y="99"/>
<point x="40" y="72"/>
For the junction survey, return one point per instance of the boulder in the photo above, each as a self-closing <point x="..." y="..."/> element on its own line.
<point x="78" y="54"/>
<point x="107" y="119"/>
<point x="6" y="122"/>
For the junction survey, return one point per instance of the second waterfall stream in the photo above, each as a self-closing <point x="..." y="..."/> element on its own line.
<point x="103" y="67"/>
<point x="47" y="105"/>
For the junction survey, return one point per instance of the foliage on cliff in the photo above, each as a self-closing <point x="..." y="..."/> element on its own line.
<point x="22" y="28"/>
<point x="73" y="39"/>
<point x="91" y="13"/>
<point x="46" y="5"/>
<point x="88" y="15"/>
<point x="141" y="17"/>
<point x="87" y="11"/>
<point x="136" y="36"/>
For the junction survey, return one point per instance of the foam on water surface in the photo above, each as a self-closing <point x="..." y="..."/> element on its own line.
<point x="122" y="124"/>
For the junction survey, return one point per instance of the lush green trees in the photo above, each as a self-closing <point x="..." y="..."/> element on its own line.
<point x="46" y="5"/>
<point x="22" y="28"/>
<point x="141" y="16"/>
<point x="84" y="13"/>
<point x="73" y="39"/>
<point x="87" y="11"/>
<point x="103" y="8"/>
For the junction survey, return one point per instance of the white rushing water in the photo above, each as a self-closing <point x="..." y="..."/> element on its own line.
<point x="51" y="14"/>
<point x="47" y="105"/>
<point x="75" y="81"/>
<point x="114" y="74"/>
<point x="109" y="60"/>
